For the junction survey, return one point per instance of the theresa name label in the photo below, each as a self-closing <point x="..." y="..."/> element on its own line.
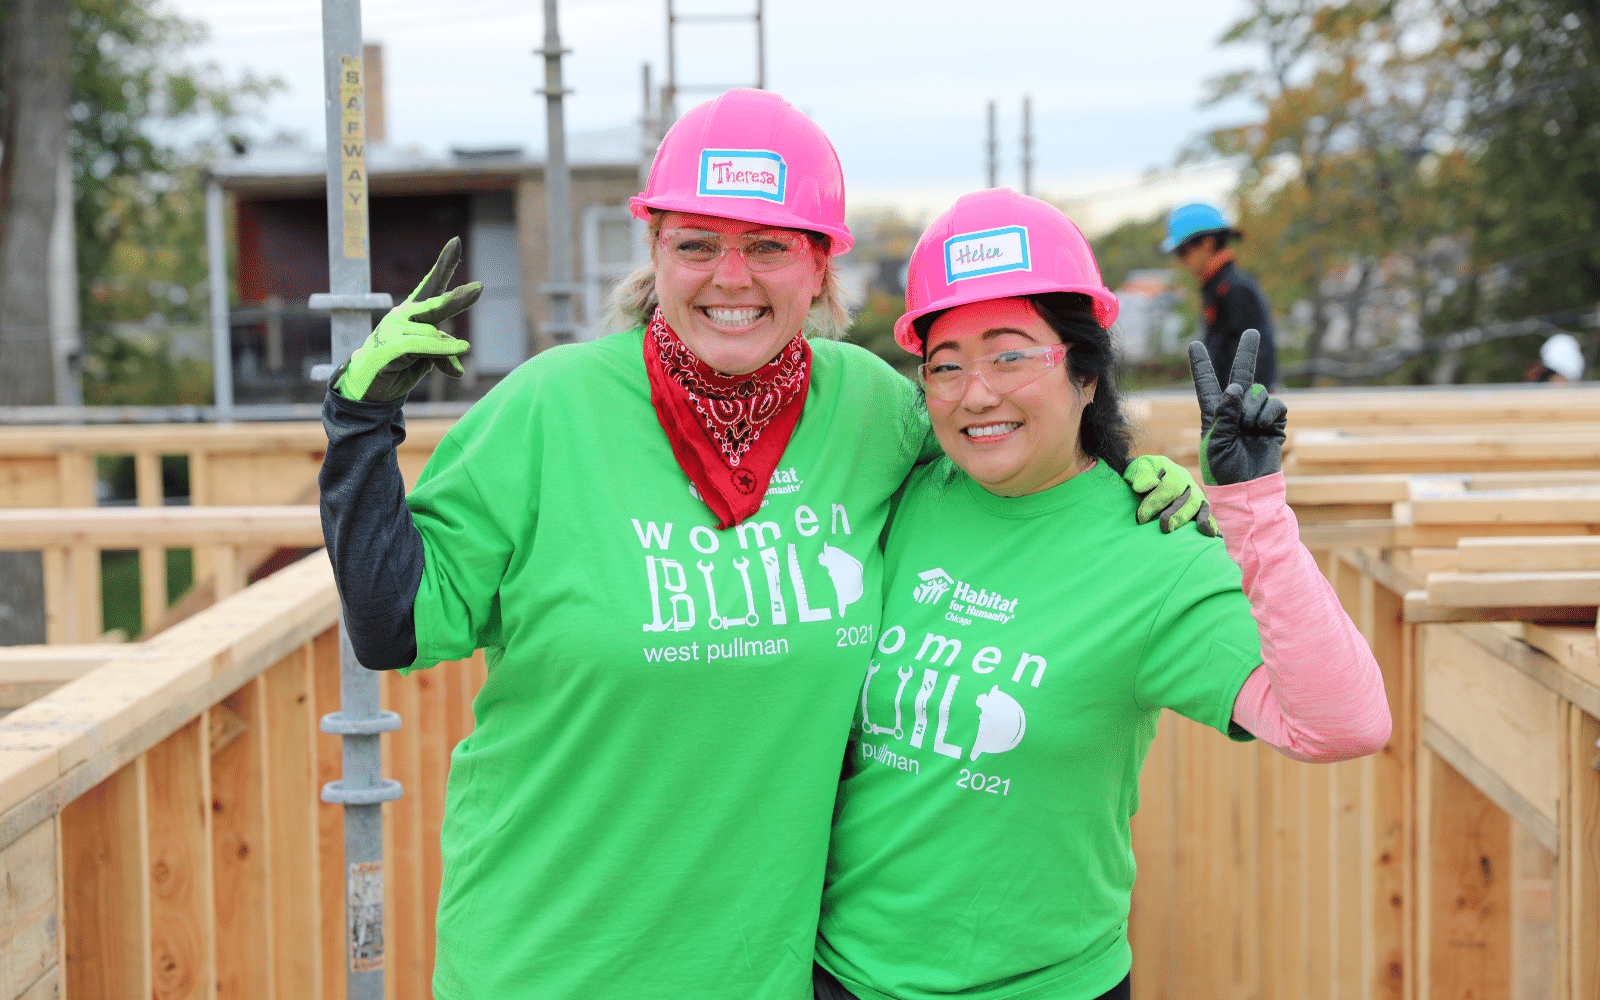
<point x="743" y="173"/>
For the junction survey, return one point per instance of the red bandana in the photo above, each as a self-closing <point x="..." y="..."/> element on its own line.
<point x="727" y="431"/>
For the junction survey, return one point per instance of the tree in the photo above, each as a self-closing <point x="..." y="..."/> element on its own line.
<point x="36" y="81"/>
<point x="140" y="209"/>
<point x="1355" y="186"/>
<point x="1533" y="116"/>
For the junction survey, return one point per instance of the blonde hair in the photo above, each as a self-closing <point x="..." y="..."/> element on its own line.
<point x="634" y="300"/>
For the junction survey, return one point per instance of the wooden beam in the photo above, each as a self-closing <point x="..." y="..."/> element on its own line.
<point x="1555" y="505"/>
<point x="1419" y="611"/>
<point x="171" y="527"/>
<point x="1555" y="588"/>
<point x="1581" y="552"/>
<point x="60" y="746"/>
<point x="1518" y="652"/>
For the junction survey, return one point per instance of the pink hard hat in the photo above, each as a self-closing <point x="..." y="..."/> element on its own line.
<point x="749" y="155"/>
<point x="998" y="244"/>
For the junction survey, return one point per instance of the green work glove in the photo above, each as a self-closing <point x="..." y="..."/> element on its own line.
<point x="1242" y="428"/>
<point x="406" y="343"/>
<point x="1168" y="491"/>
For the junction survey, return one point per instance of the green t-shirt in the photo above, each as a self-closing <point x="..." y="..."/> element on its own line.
<point x="642" y="810"/>
<point x="981" y="844"/>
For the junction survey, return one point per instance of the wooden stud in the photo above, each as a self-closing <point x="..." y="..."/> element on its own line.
<point x="1581" y="869"/>
<point x="239" y="853"/>
<point x="58" y="597"/>
<point x="406" y="950"/>
<point x="1150" y="921"/>
<point x="104" y="860"/>
<point x="292" y="802"/>
<point x="225" y="569"/>
<point x="330" y="820"/>
<point x="433" y="768"/>
<point x="86" y="626"/>
<point x="152" y="558"/>
<point x="1469" y="888"/>
<point x="1388" y="823"/>
<point x="182" y="932"/>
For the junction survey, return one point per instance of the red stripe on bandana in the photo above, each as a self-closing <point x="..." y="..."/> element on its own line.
<point x="728" y="432"/>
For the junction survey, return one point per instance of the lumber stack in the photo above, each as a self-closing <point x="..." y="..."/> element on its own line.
<point x="1461" y="531"/>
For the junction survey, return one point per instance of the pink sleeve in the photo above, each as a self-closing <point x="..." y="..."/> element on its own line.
<point x="1318" y="694"/>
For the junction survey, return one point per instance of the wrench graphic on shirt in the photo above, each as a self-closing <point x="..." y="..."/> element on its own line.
<point x="866" y="722"/>
<point x="867" y="726"/>
<point x="750" y="617"/>
<point x="714" y="619"/>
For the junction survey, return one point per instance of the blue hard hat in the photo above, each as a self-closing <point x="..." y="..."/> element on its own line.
<point x="1192" y="220"/>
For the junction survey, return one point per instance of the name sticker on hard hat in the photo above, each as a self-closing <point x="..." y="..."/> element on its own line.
<point x="743" y="173"/>
<point x="993" y="251"/>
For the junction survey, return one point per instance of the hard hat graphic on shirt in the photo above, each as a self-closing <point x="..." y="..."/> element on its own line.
<point x="845" y="571"/>
<point x="1001" y="724"/>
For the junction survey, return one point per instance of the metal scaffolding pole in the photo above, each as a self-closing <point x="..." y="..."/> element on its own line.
<point x="217" y="282"/>
<point x="362" y="789"/>
<point x="1027" y="146"/>
<point x="558" y="190"/>
<point x="993" y="147"/>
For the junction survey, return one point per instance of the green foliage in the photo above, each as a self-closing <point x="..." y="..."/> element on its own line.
<point x="143" y="123"/>
<point x="874" y="329"/>
<point x="1534" y="94"/>
<point x="1132" y="246"/>
<point x="141" y="371"/>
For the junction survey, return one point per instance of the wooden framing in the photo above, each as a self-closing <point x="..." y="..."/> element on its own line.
<point x="161" y="833"/>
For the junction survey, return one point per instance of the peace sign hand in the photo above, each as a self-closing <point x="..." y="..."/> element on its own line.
<point x="1241" y="429"/>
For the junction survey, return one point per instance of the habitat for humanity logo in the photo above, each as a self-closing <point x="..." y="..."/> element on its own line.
<point x="993" y="251"/>
<point x="966" y="600"/>
<point x="933" y="586"/>
<point x="743" y="173"/>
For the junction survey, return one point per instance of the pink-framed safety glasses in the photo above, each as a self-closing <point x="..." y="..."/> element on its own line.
<point x="700" y="250"/>
<point x="1003" y="371"/>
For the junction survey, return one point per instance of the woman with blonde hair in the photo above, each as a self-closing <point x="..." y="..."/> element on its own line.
<point x="667" y="542"/>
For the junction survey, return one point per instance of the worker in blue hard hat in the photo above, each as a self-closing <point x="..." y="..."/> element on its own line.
<point x="1199" y="236"/>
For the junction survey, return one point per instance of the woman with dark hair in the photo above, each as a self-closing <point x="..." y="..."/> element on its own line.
<point x="1032" y="634"/>
<point x="667" y="541"/>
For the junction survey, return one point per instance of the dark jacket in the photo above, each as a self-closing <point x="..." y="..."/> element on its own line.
<point x="1233" y="304"/>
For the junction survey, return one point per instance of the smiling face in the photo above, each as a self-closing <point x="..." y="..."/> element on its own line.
<point x="1025" y="440"/>
<point x="733" y="319"/>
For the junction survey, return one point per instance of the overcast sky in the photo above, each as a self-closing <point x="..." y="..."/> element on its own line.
<point x="900" y="86"/>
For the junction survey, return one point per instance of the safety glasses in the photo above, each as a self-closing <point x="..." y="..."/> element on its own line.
<point x="699" y="250"/>
<point x="1002" y="371"/>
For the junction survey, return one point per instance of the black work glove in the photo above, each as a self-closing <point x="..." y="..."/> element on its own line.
<point x="1242" y="428"/>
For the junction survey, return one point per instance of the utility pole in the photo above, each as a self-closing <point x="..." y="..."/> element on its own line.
<point x="669" y="99"/>
<point x="1027" y="145"/>
<point x="994" y="150"/>
<point x="560" y="328"/>
<point x="362" y="789"/>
